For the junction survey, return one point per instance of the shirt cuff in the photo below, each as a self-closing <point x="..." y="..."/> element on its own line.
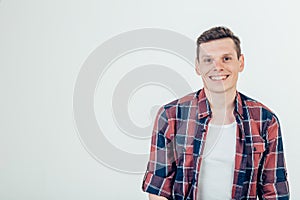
<point x="161" y="186"/>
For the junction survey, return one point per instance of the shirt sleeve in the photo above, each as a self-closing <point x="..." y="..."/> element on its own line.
<point x="273" y="183"/>
<point x="161" y="168"/>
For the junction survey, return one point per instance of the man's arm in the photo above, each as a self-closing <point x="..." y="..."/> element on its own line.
<point x="155" y="197"/>
<point x="159" y="177"/>
<point x="273" y="183"/>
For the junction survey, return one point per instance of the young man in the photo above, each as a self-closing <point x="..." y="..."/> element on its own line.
<point x="216" y="143"/>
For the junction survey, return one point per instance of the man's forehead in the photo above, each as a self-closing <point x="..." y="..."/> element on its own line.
<point x="219" y="46"/>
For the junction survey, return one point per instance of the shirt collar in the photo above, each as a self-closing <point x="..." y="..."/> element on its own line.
<point x="204" y="109"/>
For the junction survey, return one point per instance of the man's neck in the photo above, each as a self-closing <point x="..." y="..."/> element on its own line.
<point x="222" y="106"/>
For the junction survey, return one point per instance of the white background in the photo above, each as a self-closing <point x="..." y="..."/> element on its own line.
<point x="43" y="45"/>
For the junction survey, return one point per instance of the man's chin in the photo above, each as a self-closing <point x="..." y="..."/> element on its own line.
<point x="218" y="90"/>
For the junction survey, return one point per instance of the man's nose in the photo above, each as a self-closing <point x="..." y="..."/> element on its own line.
<point x="218" y="65"/>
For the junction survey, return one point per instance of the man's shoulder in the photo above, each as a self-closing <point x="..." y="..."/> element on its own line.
<point x="254" y="106"/>
<point x="184" y="100"/>
<point x="251" y="102"/>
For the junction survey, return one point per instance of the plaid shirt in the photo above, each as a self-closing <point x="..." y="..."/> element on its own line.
<point x="177" y="145"/>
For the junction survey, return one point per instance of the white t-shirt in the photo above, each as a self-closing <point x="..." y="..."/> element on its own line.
<point x="217" y="167"/>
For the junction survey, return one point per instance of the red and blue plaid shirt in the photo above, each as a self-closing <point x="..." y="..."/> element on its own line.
<point x="177" y="144"/>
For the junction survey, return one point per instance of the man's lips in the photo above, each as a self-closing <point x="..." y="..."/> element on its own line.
<point x="218" y="77"/>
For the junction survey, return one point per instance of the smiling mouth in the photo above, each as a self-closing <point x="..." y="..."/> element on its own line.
<point x="219" y="77"/>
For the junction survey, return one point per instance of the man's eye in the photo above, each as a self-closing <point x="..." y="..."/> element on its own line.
<point x="227" y="59"/>
<point x="207" y="60"/>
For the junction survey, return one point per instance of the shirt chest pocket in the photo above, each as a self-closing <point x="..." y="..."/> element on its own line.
<point x="254" y="153"/>
<point x="258" y="147"/>
<point x="254" y="144"/>
<point x="255" y="148"/>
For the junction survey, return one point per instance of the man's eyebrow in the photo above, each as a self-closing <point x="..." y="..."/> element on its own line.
<point x="206" y="56"/>
<point x="228" y="54"/>
<point x="225" y="54"/>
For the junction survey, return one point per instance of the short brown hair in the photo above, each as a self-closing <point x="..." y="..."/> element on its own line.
<point x="218" y="32"/>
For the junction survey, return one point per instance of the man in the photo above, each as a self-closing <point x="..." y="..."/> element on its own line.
<point x="216" y="143"/>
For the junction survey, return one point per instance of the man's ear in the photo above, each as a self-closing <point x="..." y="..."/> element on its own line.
<point x="197" y="69"/>
<point x="242" y="62"/>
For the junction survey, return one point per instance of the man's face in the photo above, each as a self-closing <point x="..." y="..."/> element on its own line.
<point x="219" y="65"/>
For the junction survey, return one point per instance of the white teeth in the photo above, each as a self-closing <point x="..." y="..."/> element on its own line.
<point x="217" y="78"/>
